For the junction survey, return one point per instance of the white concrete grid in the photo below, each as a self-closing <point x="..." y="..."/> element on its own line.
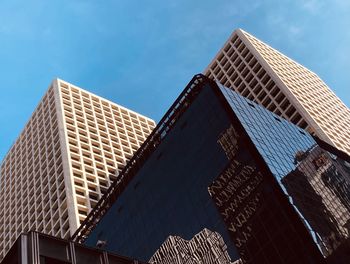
<point x="264" y="75"/>
<point x="66" y="157"/>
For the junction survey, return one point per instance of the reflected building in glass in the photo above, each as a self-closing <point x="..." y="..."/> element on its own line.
<point x="321" y="193"/>
<point x="223" y="180"/>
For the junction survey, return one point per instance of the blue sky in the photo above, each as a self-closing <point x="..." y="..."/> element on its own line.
<point x="141" y="54"/>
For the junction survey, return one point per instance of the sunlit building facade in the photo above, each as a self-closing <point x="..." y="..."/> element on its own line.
<point x="73" y="146"/>
<point x="271" y="79"/>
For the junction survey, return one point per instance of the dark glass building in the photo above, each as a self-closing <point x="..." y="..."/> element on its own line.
<point x="221" y="179"/>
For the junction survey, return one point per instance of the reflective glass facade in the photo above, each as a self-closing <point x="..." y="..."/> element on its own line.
<point x="316" y="181"/>
<point x="229" y="180"/>
<point x="169" y="194"/>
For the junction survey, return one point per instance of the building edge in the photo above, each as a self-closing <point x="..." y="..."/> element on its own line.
<point x="26" y="123"/>
<point x="104" y="99"/>
<point x="68" y="180"/>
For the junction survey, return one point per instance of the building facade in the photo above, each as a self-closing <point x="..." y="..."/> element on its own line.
<point x="271" y="79"/>
<point x="72" y="148"/>
<point x="206" y="246"/>
<point x="222" y="180"/>
<point x="34" y="247"/>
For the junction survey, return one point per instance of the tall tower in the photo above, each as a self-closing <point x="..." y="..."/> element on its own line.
<point x="266" y="76"/>
<point x="72" y="148"/>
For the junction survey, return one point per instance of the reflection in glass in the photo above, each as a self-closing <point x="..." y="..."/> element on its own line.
<point x="316" y="182"/>
<point x="320" y="191"/>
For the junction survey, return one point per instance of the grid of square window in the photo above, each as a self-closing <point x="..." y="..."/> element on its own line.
<point x="245" y="65"/>
<point x="32" y="188"/>
<point x="236" y="67"/>
<point x="66" y="157"/>
<point x="320" y="102"/>
<point x="101" y="137"/>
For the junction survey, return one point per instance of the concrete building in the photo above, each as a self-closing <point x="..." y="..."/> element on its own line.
<point x="72" y="148"/>
<point x="264" y="75"/>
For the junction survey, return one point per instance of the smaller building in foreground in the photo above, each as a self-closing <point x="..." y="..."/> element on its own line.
<point x="34" y="247"/>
